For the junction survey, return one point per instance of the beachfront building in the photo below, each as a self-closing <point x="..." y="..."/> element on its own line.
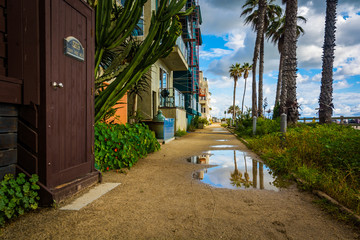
<point x="187" y="81"/>
<point x="204" y="97"/>
<point x="161" y="94"/>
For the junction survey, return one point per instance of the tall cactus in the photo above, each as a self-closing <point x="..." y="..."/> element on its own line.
<point x="112" y="30"/>
<point x="165" y="28"/>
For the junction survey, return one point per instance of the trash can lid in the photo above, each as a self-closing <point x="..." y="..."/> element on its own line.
<point x="159" y="117"/>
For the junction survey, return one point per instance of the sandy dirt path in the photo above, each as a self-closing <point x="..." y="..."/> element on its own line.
<point x="159" y="199"/>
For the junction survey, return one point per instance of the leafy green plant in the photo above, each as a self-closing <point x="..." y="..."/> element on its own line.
<point x="191" y="128"/>
<point x="203" y="121"/>
<point x="17" y="195"/>
<point x="121" y="146"/>
<point x="180" y="133"/>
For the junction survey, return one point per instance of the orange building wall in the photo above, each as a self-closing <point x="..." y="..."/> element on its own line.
<point x="121" y="115"/>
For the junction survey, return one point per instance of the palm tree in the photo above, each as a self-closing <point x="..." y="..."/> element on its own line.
<point x="237" y="110"/>
<point x="235" y="72"/>
<point x="253" y="18"/>
<point x="288" y="102"/>
<point x="245" y="68"/>
<point x="325" y="99"/>
<point x="276" y="32"/>
<point x="247" y="182"/>
<point x="236" y="176"/>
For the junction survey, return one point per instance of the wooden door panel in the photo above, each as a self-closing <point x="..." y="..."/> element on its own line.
<point x="68" y="109"/>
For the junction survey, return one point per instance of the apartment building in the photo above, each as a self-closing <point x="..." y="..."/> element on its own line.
<point x="173" y="80"/>
<point x="187" y="81"/>
<point x="204" y="97"/>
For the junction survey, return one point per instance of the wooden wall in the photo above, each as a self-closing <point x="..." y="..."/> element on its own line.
<point x="3" y="32"/>
<point x="8" y="112"/>
<point x="8" y="138"/>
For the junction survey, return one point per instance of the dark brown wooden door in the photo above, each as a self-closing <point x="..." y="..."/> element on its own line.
<point x="69" y="103"/>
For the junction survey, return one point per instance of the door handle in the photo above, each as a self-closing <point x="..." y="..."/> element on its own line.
<point x="56" y="85"/>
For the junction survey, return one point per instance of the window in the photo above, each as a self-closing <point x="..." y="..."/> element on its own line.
<point x="202" y="98"/>
<point x="163" y="78"/>
<point x="203" y="110"/>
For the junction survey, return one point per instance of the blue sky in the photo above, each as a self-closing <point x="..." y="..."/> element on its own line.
<point x="226" y="41"/>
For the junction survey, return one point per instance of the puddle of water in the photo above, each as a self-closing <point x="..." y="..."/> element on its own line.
<point x="219" y="130"/>
<point x="222" y="140"/>
<point x="234" y="170"/>
<point x="223" y="146"/>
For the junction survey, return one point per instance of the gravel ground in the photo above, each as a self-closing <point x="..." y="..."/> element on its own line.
<point x="159" y="199"/>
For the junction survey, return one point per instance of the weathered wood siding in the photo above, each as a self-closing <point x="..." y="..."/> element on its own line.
<point x="8" y="138"/>
<point x="10" y="92"/>
<point x="3" y="32"/>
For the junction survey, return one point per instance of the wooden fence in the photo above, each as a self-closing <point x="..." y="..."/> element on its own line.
<point x="353" y="121"/>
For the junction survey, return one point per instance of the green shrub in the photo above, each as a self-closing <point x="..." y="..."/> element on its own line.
<point x="121" y="146"/>
<point x="17" y="196"/>
<point x="325" y="156"/>
<point x="180" y="133"/>
<point x="203" y="120"/>
<point x="263" y="126"/>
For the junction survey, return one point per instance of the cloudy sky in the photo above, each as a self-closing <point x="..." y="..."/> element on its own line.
<point x="226" y="41"/>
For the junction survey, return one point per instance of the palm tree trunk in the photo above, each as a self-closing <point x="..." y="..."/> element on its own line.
<point x="254" y="170"/>
<point x="325" y="99"/>
<point x="261" y="73"/>
<point x="236" y="169"/>
<point x="261" y="175"/>
<point x="254" y="101"/>
<point x="290" y="64"/>
<point x="235" y="80"/>
<point x="279" y="82"/>
<point x="242" y="104"/>
<point x="260" y="31"/>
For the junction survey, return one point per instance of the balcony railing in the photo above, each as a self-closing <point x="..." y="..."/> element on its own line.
<point x="180" y="43"/>
<point x="171" y="97"/>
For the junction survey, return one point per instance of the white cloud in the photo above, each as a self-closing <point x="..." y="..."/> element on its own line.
<point x="308" y="112"/>
<point x="214" y="53"/>
<point x="301" y="79"/>
<point x="341" y="85"/>
<point x="223" y="82"/>
<point x="316" y="77"/>
<point x="235" y="41"/>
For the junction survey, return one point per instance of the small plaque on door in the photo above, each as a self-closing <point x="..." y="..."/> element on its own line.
<point x="73" y="48"/>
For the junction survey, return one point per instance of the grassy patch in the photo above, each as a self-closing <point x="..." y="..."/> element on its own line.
<point x="325" y="157"/>
<point x="334" y="211"/>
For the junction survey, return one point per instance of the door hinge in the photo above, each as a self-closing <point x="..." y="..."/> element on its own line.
<point x="92" y="91"/>
<point x="92" y="149"/>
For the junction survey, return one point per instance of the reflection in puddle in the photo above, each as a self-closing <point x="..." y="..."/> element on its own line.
<point x="222" y="140"/>
<point x="223" y="146"/>
<point x="201" y="159"/>
<point x="234" y="170"/>
<point x="219" y="130"/>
